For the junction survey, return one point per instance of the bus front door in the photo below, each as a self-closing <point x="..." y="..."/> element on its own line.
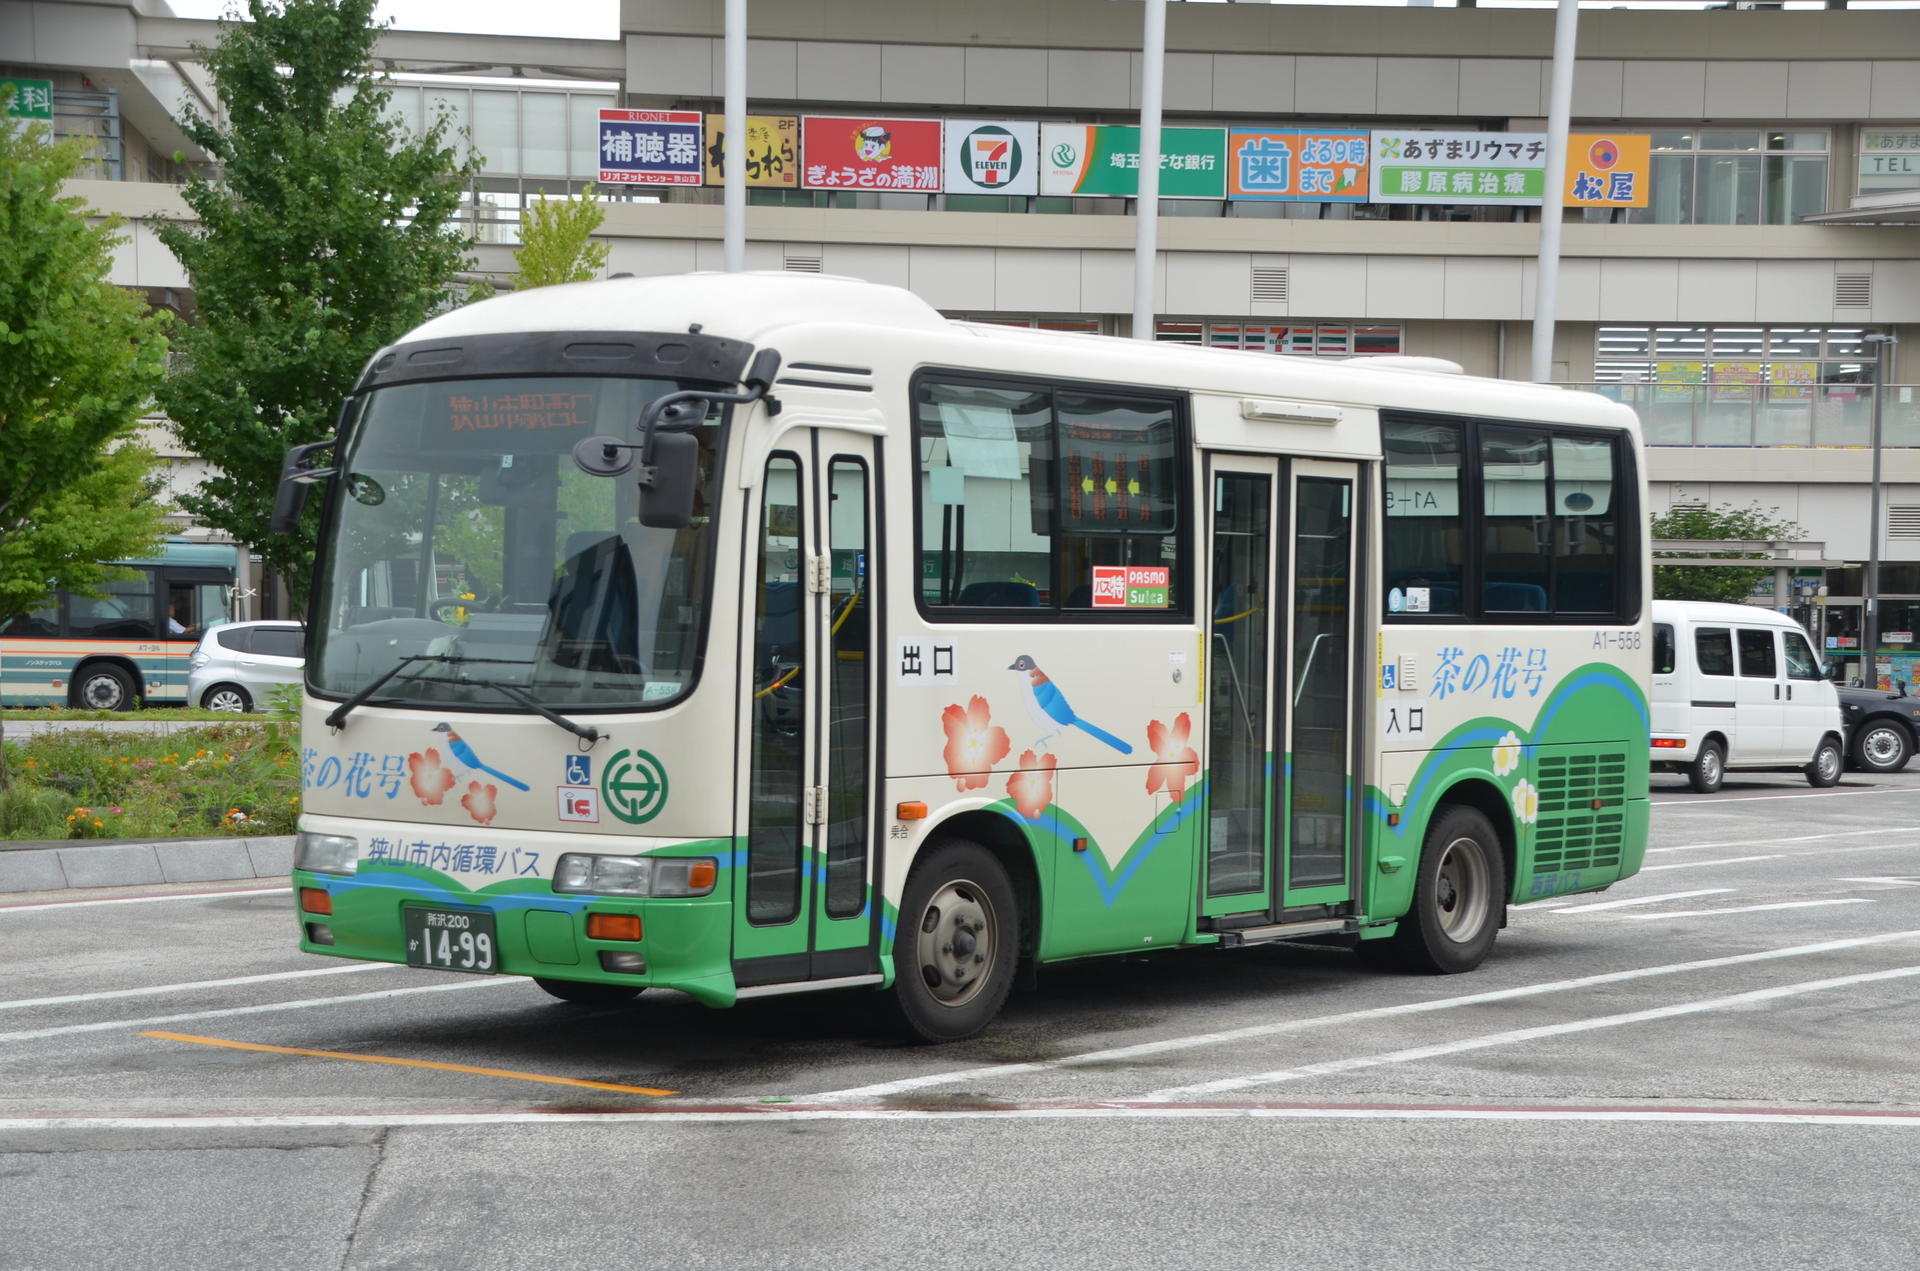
<point x="802" y="910"/>
<point x="1280" y="692"/>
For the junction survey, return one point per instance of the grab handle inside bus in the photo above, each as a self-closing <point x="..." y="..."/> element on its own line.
<point x="297" y="472"/>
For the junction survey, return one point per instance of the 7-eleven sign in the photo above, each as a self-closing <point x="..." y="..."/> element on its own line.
<point x="991" y="157"/>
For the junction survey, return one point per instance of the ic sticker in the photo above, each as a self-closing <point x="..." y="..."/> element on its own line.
<point x="579" y="803"/>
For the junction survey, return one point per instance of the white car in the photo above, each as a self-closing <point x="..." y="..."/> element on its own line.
<point x="237" y="664"/>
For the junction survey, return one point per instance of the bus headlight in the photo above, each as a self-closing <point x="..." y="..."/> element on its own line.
<point x="592" y="874"/>
<point x="326" y="853"/>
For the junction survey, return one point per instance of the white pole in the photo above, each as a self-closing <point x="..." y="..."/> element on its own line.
<point x="733" y="162"/>
<point x="1559" y="110"/>
<point x="1153" y="53"/>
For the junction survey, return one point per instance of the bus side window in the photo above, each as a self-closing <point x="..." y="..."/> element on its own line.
<point x="43" y="622"/>
<point x="1425" y="543"/>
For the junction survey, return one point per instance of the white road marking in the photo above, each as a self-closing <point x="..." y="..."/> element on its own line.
<point x="1762" y="798"/>
<point x="1731" y="860"/>
<point x="1101" y="1112"/>
<point x="1411" y="1054"/>
<point x="1748" y="909"/>
<point x="146" y="900"/>
<point x="108" y="1025"/>
<point x="19" y="1003"/>
<point x="1638" y="900"/>
<point x="1897" y="882"/>
<point x="1233" y="1035"/>
<point x="1775" y="842"/>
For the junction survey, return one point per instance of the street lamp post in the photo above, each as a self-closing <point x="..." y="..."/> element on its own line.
<point x="1870" y="589"/>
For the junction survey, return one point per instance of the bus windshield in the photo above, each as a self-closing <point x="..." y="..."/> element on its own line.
<point x="463" y="530"/>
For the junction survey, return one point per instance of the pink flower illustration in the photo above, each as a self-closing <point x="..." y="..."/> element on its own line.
<point x="974" y="743"/>
<point x="1175" y="762"/>
<point x="478" y="801"/>
<point x="431" y="779"/>
<point x="1032" y="786"/>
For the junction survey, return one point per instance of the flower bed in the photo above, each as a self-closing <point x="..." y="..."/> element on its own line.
<point x="193" y="783"/>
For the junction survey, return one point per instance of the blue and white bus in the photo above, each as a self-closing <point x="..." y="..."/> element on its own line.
<point x="129" y="644"/>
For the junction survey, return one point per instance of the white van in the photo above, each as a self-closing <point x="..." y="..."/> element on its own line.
<point x="1738" y="687"/>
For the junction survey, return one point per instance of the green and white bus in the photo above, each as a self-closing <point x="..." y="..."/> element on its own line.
<point x="129" y="644"/>
<point x="758" y="634"/>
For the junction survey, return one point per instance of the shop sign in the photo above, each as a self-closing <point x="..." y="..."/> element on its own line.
<point x="1103" y="161"/>
<point x="32" y="98"/>
<point x="866" y="153"/>
<point x="992" y="156"/>
<point x="650" y="147"/>
<point x="1889" y="159"/>
<point x="1493" y="168"/>
<point x="1296" y="165"/>
<point x="773" y="151"/>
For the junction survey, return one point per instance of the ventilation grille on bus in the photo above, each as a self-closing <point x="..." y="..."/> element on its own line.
<point x="1269" y="284"/>
<point x="848" y="379"/>
<point x="1571" y="833"/>
<point x="1903" y="521"/>
<point x="1853" y="291"/>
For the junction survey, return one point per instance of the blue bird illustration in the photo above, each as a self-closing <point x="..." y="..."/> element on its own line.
<point x="462" y="752"/>
<point x="1050" y="708"/>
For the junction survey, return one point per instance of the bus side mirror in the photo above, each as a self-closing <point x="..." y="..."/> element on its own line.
<point x="666" y="495"/>
<point x="296" y="474"/>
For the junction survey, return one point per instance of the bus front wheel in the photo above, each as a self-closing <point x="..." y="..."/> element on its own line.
<point x="957" y="943"/>
<point x="1458" y="899"/>
<point x="103" y="688"/>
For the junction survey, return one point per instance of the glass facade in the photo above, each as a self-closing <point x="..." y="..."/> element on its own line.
<point x="1731" y="176"/>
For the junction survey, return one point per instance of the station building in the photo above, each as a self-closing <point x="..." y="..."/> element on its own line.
<point x="1734" y="300"/>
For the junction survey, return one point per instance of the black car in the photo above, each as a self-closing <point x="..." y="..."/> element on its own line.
<point x="1881" y="726"/>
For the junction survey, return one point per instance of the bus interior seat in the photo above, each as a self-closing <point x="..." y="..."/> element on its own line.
<point x="1005" y="594"/>
<point x="594" y="608"/>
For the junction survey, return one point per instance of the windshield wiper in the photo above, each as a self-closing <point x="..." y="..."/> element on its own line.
<point x="338" y="718"/>
<point x="588" y="734"/>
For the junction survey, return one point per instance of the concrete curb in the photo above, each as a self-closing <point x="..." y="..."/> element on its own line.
<point x="125" y="864"/>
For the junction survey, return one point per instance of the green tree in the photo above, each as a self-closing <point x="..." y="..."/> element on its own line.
<point x="1733" y="583"/>
<point x="325" y="231"/>
<point x="79" y="358"/>
<point x="556" y="241"/>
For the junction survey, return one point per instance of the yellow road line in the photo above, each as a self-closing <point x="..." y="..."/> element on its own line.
<point x="406" y="1063"/>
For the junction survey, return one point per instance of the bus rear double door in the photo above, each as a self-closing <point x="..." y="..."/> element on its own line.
<point x="1281" y="692"/>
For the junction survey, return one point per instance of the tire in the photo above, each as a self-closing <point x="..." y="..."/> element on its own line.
<point x="1708" y="769"/>
<point x="103" y="687"/>
<point x="1827" y="764"/>
<point x="957" y="944"/>
<point x="226" y="697"/>
<point x="1459" y="899"/>
<point x="589" y="993"/>
<point x="1882" y="746"/>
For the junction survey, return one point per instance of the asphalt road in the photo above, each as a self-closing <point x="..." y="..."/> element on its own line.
<point x="1711" y="1065"/>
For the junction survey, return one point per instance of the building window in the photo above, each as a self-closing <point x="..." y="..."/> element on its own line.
<point x="1301" y="339"/>
<point x="1732" y="176"/>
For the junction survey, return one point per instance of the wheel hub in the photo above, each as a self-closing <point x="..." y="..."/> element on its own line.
<point x="956" y="943"/>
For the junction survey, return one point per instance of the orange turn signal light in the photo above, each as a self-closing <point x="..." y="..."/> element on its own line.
<point x="613" y="926"/>
<point x="700" y="878"/>
<point x="912" y="810"/>
<point x="313" y="900"/>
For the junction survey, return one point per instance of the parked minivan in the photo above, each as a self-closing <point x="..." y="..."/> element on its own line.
<point x="1737" y="687"/>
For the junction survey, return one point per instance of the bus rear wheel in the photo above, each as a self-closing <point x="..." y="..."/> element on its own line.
<point x="587" y="992"/>
<point x="103" y="688"/>
<point x="957" y="943"/>
<point x="1458" y="899"/>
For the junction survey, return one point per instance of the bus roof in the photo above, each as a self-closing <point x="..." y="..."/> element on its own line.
<point x="179" y="551"/>
<point x="797" y="313"/>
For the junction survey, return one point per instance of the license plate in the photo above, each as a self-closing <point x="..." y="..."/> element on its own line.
<point x="451" y="940"/>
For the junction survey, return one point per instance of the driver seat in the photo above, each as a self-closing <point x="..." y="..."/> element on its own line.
<point x="594" y="609"/>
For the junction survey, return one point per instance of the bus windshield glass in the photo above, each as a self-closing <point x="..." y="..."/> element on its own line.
<point x="464" y="536"/>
